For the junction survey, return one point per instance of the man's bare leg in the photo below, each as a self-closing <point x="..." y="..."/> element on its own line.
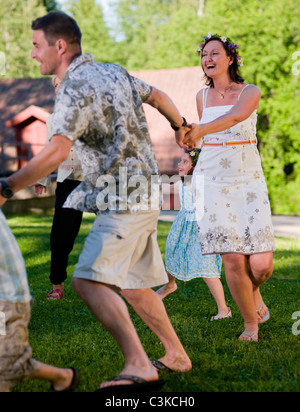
<point x="112" y="312"/>
<point x="149" y="306"/>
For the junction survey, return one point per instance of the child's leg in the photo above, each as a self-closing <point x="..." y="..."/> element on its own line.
<point x="16" y="363"/>
<point x="60" y="378"/>
<point x="169" y="288"/>
<point x="216" y="288"/>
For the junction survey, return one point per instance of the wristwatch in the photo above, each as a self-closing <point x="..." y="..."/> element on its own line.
<point x="183" y="125"/>
<point x="6" y="190"/>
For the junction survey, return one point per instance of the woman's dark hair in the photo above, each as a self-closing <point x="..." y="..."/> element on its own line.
<point x="234" y="68"/>
<point x="57" y="25"/>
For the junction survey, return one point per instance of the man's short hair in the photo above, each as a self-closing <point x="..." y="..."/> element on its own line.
<point x="57" y="25"/>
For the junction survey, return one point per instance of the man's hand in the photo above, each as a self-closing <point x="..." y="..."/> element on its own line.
<point x="194" y="137"/>
<point x="40" y="190"/>
<point x="181" y="136"/>
<point x="2" y="199"/>
<point x="49" y="159"/>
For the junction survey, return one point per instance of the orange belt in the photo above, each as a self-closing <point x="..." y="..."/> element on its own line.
<point x="225" y="144"/>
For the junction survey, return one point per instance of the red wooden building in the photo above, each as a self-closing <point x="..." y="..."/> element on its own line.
<point x="30" y="133"/>
<point x="25" y="105"/>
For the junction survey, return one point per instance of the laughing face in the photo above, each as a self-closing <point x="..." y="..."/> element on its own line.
<point x="44" y="54"/>
<point x="215" y="60"/>
<point x="185" y="165"/>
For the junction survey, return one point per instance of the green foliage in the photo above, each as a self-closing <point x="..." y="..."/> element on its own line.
<point x="95" y="35"/>
<point x="157" y="33"/>
<point x="50" y="5"/>
<point x="16" y="36"/>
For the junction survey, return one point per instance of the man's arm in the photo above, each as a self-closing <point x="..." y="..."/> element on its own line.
<point x="41" y="165"/>
<point x="163" y="103"/>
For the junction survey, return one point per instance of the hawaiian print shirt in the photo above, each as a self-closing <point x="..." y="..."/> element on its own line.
<point x="99" y="107"/>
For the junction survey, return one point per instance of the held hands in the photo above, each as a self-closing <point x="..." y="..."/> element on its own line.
<point x="195" y="137"/>
<point x="181" y="136"/>
<point x="190" y="136"/>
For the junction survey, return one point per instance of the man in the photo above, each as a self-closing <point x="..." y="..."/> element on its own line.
<point x="99" y="110"/>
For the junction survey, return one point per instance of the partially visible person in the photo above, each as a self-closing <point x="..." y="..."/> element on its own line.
<point x="66" y="221"/>
<point x="237" y="221"/>
<point x="16" y="363"/>
<point x="184" y="260"/>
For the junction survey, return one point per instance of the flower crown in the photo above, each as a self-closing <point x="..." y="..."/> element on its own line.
<point x="227" y="41"/>
<point x="194" y="155"/>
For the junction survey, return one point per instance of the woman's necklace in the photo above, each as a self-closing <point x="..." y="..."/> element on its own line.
<point x="226" y="90"/>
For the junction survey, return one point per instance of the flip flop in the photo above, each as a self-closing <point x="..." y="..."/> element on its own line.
<point x="74" y="384"/>
<point x="253" y="337"/>
<point x="267" y="315"/>
<point x="161" y="366"/>
<point x="138" y="384"/>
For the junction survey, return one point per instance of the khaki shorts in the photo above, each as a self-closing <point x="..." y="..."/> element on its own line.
<point x="16" y="364"/>
<point x="122" y="250"/>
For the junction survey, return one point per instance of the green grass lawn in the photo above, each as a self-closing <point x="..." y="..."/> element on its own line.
<point x="66" y="334"/>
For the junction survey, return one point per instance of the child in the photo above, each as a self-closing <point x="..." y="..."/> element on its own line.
<point x="184" y="259"/>
<point x="16" y="363"/>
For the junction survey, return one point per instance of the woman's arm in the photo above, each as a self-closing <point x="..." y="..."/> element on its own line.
<point x="247" y="104"/>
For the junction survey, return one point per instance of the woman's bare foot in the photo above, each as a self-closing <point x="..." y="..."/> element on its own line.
<point x="166" y="290"/>
<point x="263" y="313"/>
<point x="250" y="334"/>
<point x="261" y="308"/>
<point x="249" y="337"/>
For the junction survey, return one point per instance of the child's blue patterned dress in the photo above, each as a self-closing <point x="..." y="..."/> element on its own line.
<point x="184" y="259"/>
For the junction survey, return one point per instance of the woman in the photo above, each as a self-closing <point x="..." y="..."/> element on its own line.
<point x="236" y="220"/>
